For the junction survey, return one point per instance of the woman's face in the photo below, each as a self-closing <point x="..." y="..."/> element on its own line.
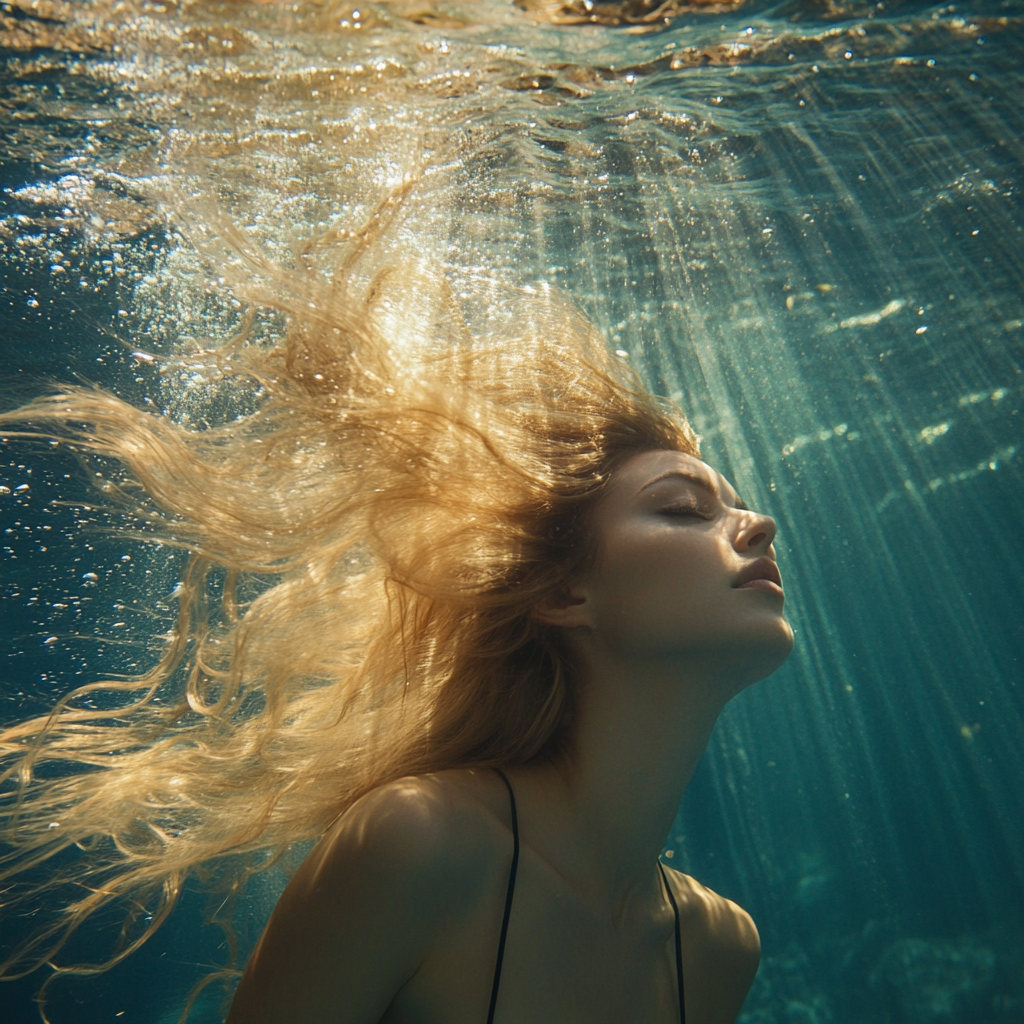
<point x="684" y="571"/>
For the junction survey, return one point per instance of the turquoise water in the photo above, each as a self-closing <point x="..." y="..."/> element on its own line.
<point x="801" y="219"/>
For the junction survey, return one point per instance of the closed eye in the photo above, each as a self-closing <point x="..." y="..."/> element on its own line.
<point x="688" y="509"/>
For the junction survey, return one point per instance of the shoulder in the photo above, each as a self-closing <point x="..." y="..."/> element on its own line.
<point x="720" y="921"/>
<point x="721" y="947"/>
<point x="426" y="819"/>
<point x="428" y="833"/>
<point x="366" y="907"/>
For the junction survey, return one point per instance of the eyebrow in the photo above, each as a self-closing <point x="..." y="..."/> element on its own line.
<point x="707" y="485"/>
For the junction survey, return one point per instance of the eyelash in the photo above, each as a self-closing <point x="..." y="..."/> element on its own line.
<point x="701" y="511"/>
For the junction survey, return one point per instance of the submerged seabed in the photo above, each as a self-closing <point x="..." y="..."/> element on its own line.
<point x="802" y="220"/>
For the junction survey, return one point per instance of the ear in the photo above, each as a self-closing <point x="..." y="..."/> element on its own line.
<point x="568" y="607"/>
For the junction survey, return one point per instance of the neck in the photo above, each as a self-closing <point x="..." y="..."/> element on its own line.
<point x="607" y="804"/>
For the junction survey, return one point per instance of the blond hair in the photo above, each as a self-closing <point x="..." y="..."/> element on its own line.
<point x="409" y="501"/>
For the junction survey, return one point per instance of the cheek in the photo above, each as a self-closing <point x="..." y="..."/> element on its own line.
<point x="660" y="586"/>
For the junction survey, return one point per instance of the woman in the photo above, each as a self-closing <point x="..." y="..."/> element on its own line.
<point x="397" y="914"/>
<point x="507" y="604"/>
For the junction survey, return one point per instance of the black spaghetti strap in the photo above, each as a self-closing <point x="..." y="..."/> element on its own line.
<point x="679" y="948"/>
<point x="508" y="897"/>
<point x="508" y="913"/>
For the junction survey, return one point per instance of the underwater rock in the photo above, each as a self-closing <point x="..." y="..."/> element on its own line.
<point x="787" y="991"/>
<point x="933" y="979"/>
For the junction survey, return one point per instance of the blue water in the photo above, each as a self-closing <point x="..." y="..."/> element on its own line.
<point x="803" y="220"/>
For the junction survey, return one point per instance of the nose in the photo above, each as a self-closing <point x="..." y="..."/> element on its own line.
<point x="756" y="532"/>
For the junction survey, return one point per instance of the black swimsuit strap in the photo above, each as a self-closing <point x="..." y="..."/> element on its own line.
<point x="508" y="913"/>
<point x="679" y="949"/>
<point x="508" y="896"/>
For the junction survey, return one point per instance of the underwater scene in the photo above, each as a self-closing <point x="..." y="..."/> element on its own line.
<point x="801" y="220"/>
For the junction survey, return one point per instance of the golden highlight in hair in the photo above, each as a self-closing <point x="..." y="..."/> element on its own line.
<point x="410" y="492"/>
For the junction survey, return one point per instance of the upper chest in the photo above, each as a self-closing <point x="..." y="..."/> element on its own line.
<point x="563" y="962"/>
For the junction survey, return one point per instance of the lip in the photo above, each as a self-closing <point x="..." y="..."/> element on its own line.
<point x="765" y="585"/>
<point x="760" y="575"/>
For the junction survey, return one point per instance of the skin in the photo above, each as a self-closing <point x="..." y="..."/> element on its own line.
<point x="395" y="916"/>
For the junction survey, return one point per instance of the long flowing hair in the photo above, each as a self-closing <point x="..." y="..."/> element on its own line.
<point x="410" y="491"/>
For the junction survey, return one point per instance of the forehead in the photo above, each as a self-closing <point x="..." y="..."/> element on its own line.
<point x="636" y="474"/>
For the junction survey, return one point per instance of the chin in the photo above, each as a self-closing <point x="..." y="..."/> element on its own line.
<point x="773" y="651"/>
<point x="752" y="659"/>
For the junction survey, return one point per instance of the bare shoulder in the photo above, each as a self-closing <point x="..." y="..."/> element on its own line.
<point x="724" y="925"/>
<point x="367" y="905"/>
<point x="721" y="949"/>
<point x="418" y="829"/>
